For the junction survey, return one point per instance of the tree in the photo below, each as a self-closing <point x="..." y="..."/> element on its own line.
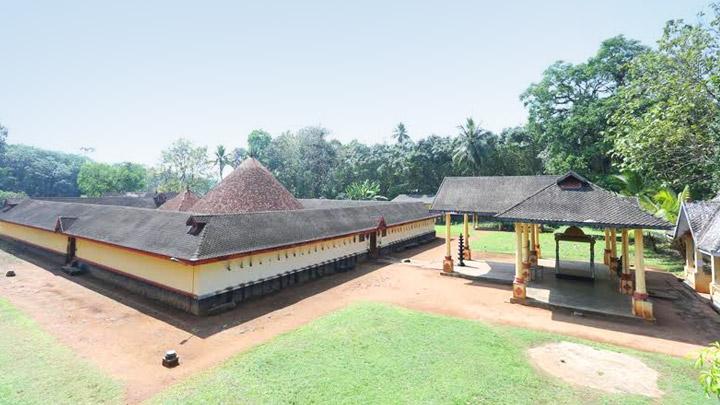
<point x="183" y="166"/>
<point x="221" y="159"/>
<point x="569" y="108"/>
<point x="39" y="172"/>
<point x="472" y="149"/>
<point x="237" y="156"/>
<point x="366" y="190"/>
<point x="400" y="134"/>
<point x="258" y="144"/>
<point x="96" y="179"/>
<point x="3" y="141"/>
<point x="671" y="106"/>
<point x="708" y="362"/>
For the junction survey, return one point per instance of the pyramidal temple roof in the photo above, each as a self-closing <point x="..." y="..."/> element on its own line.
<point x="249" y="188"/>
<point x="181" y="202"/>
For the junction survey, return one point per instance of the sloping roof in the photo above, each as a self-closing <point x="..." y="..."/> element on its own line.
<point x="572" y="200"/>
<point x="486" y="195"/>
<point x="702" y="220"/>
<point x="149" y="230"/>
<point x="315" y="203"/>
<point x="228" y="234"/>
<point x="249" y="188"/>
<point x="165" y="233"/>
<point x="423" y="198"/>
<point x="181" y="202"/>
<point x="710" y="241"/>
<point x="123" y="201"/>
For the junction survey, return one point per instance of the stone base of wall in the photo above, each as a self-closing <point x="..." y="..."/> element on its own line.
<point x="224" y="300"/>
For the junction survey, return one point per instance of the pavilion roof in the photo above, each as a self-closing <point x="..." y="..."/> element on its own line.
<point x="249" y="188"/>
<point x="573" y="200"/>
<point x="486" y="195"/>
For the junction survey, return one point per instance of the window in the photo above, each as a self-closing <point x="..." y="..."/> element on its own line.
<point x="362" y="237"/>
<point x="384" y="232"/>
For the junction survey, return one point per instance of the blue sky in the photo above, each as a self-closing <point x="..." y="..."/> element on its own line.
<point x="127" y="77"/>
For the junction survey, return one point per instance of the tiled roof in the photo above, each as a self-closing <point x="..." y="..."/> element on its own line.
<point x="123" y="201"/>
<point x="572" y="200"/>
<point x="423" y="198"/>
<point x="181" y="202"/>
<point x="314" y="203"/>
<point x="228" y="234"/>
<point x="702" y="219"/>
<point x="486" y="195"/>
<point x="249" y="188"/>
<point x="166" y="232"/>
<point x="149" y="230"/>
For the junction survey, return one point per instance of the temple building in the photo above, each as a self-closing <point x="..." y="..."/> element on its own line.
<point x="698" y="227"/>
<point x="570" y="200"/>
<point x="247" y="237"/>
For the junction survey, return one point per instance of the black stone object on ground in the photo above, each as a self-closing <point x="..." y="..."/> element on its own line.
<point x="461" y="251"/>
<point x="10" y="273"/>
<point x="171" y="359"/>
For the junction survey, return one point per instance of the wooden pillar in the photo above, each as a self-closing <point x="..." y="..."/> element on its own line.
<point x="448" y="262"/>
<point x="626" y="285"/>
<point x="537" y="241"/>
<point x="606" y="255"/>
<point x="612" y="266"/>
<point x="641" y="306"/>
<point x="715" y="267"/>
<point x="533" y="245"/>
<point x="466" y="231"/>
<point x="526" y="251"/>
<point x="519" y="282"/>
<point x="689" y="255"/>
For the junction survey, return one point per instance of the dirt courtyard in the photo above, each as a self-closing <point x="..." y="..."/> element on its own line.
<point x="126" y="335"/>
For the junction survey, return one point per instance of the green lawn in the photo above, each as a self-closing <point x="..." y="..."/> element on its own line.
<point x="373" y="353"/>
<point x="36" y="369"/>
<point x="504" y="242"/>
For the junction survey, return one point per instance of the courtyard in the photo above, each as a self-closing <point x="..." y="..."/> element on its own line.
<point x="119" y="338"/>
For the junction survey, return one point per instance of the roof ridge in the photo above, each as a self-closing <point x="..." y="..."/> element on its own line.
<point x="524" y="199"/>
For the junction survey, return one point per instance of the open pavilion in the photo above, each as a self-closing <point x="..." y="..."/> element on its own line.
<point x="569" y="200"/>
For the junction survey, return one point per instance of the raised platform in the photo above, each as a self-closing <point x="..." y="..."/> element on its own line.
<point x="598" y="296"/>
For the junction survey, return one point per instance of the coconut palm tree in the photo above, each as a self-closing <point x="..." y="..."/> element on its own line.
<point x="668" y="203"/>
<point x="633" y="184"/>
<point x="470" y="150"/>
<point x="400" y="134"/>
<point x="222" y="159"/>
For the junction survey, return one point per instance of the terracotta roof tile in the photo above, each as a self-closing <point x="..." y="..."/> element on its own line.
<point x="181" y="202"/>
<point x="249" y="188"/>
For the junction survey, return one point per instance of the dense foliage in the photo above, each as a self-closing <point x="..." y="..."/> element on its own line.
<point x="96" y="179"/>
<point x="600" y="118"/>
<point x="39" y="172"/>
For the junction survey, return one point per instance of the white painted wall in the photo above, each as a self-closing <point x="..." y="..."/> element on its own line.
<point x="212" y="278"/>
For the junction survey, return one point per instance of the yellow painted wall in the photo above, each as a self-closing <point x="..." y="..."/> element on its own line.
<point x="163" y="271"/>
<point x="47" y="239"/>
<point x="214" y="277"/>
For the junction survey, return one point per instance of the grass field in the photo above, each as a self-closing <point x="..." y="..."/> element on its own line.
<point x="373" y="353"/>
<point x="35" y="369"/>
<point x="504" y="242"/>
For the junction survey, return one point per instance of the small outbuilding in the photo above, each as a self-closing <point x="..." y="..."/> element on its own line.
<point x="698" y="228"/>
<point x="570" y="200"/>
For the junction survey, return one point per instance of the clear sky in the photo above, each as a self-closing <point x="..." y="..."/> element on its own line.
<point x="129" y="77"/>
